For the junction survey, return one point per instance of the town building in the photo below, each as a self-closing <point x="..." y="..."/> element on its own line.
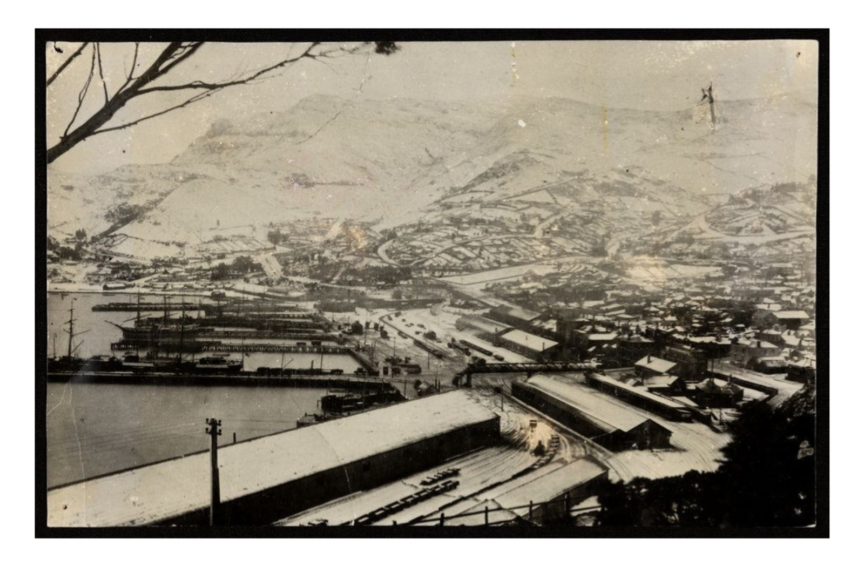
<point x="692" y="362"/>
<point x="652" y="365"/>
<point x="745" y="352"/>
<point x="529" y="345"/>
<point x="485" y="326"/>
<point x="633" y="348"/>
<point x="790" y="320"/>
<point x="516" y="317"/>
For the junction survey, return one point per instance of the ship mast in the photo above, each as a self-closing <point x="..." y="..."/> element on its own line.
<point x="71" y="324"/>
<point x="182" y="327"/>
<point x="71" y="330"/>
<point x="138" y="325"/>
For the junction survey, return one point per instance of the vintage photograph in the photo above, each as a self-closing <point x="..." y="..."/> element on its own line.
<point x="560" y="284"/>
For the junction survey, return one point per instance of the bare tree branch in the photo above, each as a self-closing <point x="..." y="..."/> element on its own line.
<point x="83" y="94"/>
<point x="171" y="56"/>
<point x="182" y="54"/>
<point x="65" y="64"/>
<point x="191" y="100"/>
<point x="101" y="73"/>
<point x="134" y="61"/>
<point x="243" y="80"/>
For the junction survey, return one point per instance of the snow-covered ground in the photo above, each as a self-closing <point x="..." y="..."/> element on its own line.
<point x="479" y="471"/>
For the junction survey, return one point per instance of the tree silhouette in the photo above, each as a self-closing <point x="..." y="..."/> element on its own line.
<point x="768" y="478"/>
<point x="151" y="82"/>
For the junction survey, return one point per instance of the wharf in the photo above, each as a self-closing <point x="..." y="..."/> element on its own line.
<point x="324" y="381"/>
<point x="276" y="348"/>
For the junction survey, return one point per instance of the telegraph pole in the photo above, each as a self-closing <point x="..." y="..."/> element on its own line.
<point x="214" y="431"/>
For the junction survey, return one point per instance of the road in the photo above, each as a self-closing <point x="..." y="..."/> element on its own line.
<point x="271" y="266"/>
<point x="382" y="252"/>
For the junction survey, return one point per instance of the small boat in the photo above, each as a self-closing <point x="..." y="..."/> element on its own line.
<point x="214" y="364"/>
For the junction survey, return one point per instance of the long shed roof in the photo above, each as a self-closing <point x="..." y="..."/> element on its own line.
<point x="168" y="489"/>
<point x="590" y="403"/>
<point x="532" y="341"/>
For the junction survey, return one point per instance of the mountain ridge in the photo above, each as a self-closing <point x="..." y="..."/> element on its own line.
<point x="394" y="161"/>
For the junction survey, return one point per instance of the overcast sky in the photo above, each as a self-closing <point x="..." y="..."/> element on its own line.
<point x="631" y="74"/>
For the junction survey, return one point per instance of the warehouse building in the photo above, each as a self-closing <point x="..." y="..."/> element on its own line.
<point x="276" y="476"/>
<point x="529" y="345"/>
<point x="489" y="329"/>
<point x="514" y="316"/>
<point x="592" y="414"/>
<point x="640" y="397"/>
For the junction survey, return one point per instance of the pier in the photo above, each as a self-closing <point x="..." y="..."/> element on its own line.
<point x="274" y="349"/>
<point x="308" y="379"/>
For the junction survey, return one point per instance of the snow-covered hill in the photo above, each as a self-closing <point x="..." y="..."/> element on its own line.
<point x="395" y="161"/>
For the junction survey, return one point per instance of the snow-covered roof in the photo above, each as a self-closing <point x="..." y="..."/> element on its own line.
<point x="167" y="489"/>
<point x="483" y="324"/>
<point x="531" y="341"/>
<point x="602" y="336"/>
<point x="656" y="364"/>
<point x="640" y="391"/>
<point x="791" y="315"/>
<point x="590" y="403"/>
<point x="516" y="312"/>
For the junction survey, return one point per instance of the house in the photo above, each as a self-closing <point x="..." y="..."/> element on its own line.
<point x="633" y="348"/>
<point x="590" y="340"/>
<point x="652" y="365"/>
<point x="745" y="351"/>
<point x="769" y="364"/>
<point x="692" y="362"/>
<point x="791" y="320"/>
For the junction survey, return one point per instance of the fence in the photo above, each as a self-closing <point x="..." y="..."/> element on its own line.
<point x="536" y="514"/>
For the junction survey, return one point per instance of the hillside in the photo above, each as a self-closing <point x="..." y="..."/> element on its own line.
<point x="394" y="162"/>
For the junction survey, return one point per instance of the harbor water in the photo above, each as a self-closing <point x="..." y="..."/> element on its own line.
<point x="95" y="429"/>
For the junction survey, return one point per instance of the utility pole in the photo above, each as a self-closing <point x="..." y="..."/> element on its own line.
<point x="214" y="431"/>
